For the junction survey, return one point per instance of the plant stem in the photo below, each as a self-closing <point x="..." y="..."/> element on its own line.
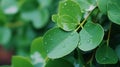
<point x="80" y="59"/>
<point x="83" y="22"/>
<point x="47" y="59"/>
<point x="108" y="38"/>
<point x="91" y="59"/>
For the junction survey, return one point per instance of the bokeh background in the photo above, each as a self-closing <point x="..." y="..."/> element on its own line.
<point x="21" y="21"/>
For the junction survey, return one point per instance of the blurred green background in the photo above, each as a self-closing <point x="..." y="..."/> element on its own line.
<point x="21" y="21"/>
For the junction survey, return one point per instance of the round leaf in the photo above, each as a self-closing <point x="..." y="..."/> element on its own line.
<point x="58" y="63"/>
<point x="102" y="4"/>
<point x="86" y="5"/>
<point x="44" y="3"/>
<point x="39" y="18"/>
<point x="5" y="35"/>
<point x="59" y="43"/>
<point x="69" y="12"/>
<point x="106" y="55"/>
<point x="90" y="36"/>
<point x="67" y="23"/>
<point x="118" y="51"/>
<point x="70" y="8"/>
<point x="9" y="6"/>
<point x="113" y="11"/>
<point x="18" y="61"/>
<point x="3" y="18"/>
<point x="54" y="17"/>
<point x="37" y="46"/>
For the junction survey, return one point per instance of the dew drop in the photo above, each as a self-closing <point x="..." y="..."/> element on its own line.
<point x="90" y="41"/>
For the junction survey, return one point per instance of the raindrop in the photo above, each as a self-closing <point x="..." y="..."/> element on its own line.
<point x="89" y="41"/>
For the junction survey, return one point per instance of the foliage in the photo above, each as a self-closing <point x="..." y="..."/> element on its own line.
<point x="85" y="33"/>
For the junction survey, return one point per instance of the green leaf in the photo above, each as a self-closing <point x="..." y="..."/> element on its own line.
<point x="9" y="6"/>
<point x="90" y="36"/>
<point x="102" y="5"/>
<point x="67" y="23"/>
<point x="71" y="11"/>
<point x="37" y="46"/>
<point x="45" y="3"/>
<point x="39" y="18"/>
<point x="3" y="17"/>
<point x="5" y="66"/>
<point x="70" y="8"/>
<point x="118" y="51"/>
<point x="5" y="35"/>
<point x="54" y="17"/>
<point x="113" y="11"/>
<point x="58" y="63"/>
<point x="18" y="61"/>
<point x="106" y="55"/>
<point x="59" y="43"/>
<point x="86" y="5"/>
<point x="28" y="5"/>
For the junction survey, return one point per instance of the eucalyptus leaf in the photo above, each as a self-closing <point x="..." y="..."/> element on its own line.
<point x="37" y="46"/>
<point x="106" y="55"/>
<point x="118" y="51"/>
<point x="67" y="23"/>
<point x="5" y="35"/>
<point x="54" y="17"/>
<point x="90" y="36"/>
<point x="9" y="6"/>
<point x="3" y="17"/>
<point x="70" y="8"/>
<point x="86" y="5"/>
<point x="68" y="12"/>
<point x="58" y="63"/>
<point x="18" y="61"/>
<point x="113" y="11"/>
<point x="102" y="4"/>
<point x="45" y="3"/>
<point x="59" y="43"/>
<point x="39" y="18"/>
